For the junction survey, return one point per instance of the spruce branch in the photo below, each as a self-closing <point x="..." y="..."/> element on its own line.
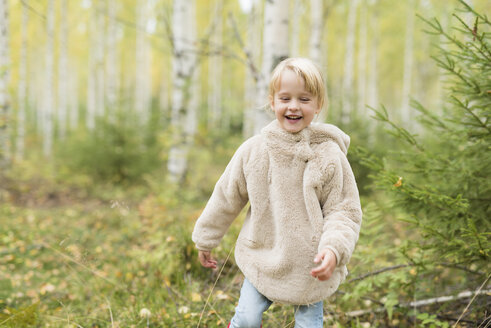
<point x="476" y="118"/>
<point x="383" y="116"/>
<point x="469" y="9"/>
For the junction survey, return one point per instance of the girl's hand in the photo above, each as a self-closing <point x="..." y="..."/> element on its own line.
<point x="324" y="271"/>
<point x="206" y="260"/>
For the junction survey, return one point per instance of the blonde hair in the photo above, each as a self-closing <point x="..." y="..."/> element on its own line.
<point x="308" y="71"/>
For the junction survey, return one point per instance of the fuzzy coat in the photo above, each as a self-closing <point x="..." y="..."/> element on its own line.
<point x="303" y="198"/>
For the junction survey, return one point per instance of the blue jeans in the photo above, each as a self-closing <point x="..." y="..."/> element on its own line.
<point x="252" y="304"/>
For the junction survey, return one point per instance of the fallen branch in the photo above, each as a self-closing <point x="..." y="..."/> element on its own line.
<point x="399" y="266"/>
<point x="429" y="301"/>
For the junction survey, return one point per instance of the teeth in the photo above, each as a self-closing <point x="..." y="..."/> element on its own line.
<point x="293" y="117"/>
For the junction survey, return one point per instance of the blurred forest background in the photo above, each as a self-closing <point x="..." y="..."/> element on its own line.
<point x="118" y="117"/>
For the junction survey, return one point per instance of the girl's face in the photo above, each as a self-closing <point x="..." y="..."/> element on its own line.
<point x="293" y="106"/>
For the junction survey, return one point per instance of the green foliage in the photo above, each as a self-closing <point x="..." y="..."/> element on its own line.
<point x="118" y="151"/>
<point x="438" y="181"/>
<point x="19" y="318"/>
<point x="431" y="321"/>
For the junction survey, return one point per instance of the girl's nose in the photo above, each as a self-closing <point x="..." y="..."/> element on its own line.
<point x="294" y="104"/>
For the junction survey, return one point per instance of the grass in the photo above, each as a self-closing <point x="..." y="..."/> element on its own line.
<point x="86" y="262"/>
<point x="115" y="257"/>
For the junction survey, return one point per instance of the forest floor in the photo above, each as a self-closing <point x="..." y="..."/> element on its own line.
<point x="110" y="256"/>
<point x="69" y="259"/>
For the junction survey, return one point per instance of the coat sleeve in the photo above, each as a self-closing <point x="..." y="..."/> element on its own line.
<point x="341" y="211"/>
<point x="227" y="200"/>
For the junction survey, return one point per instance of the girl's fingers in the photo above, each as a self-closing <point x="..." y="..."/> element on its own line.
<point x="324" y="270"/>
<point x="206" y="260"/>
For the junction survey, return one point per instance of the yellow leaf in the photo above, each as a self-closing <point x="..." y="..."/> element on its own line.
<point x="195" y="297"/>
<point x="221" y="295"/>
<point x="46" y="288"/>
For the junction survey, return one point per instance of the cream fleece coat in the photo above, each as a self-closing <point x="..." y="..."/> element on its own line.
<point x="303" y="198"/>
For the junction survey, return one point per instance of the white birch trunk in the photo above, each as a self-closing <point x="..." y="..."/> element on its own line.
<point x="36" y="90"/>
<point x="22" y="88"/>
<point x="362" y="60"/>
<point x="4" y="79"/>
<point x="442" y="77"/>
<point x="372" y="88"/>
<point x="315" y="42"/>
<point x="73" y="100"/>
<point x="100" y="36"/>
<point x="275" y="49"/>
<point x="112" y="64"/>
<point x="316" y="27"/>
<point x="253" y="46"/>
<point x="91" y="105"/>
<point x="405" y="114"/>
<point x="215" y="75"/>
<point x="49" y="102"/>
<point x="182" y="69"/>
<point x="143" y="62"/>
<point x="295" y="28"/>
<point x="194" y="101"/>
<point x="63" y="70"/>
<point x="348" y="90"/>
<point x="195" y="86"/>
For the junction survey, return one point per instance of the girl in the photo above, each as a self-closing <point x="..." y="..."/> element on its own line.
<point x="304" y="216"/>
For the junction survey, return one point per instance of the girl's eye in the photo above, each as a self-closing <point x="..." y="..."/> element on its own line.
<point x="305" y="99"/>
<point x="284" y="98"/>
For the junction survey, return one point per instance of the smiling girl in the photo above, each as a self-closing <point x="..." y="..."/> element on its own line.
<point x="304" y="211"/>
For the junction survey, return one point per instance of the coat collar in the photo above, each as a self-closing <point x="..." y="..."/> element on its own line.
<point x="300" y="144"/>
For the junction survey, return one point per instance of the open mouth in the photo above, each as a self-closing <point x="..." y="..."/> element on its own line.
<point x="293" y="117"/>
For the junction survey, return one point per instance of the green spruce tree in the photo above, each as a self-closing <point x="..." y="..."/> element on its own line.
<point x="441" y="179"/>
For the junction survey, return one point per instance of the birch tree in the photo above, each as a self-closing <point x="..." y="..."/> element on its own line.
<point x="95" y="78"/>
<point x="298" y="9"/>
<point x="362" y="58"/>
<point x="100" y="16"/>
<point x="195" y="85"/>
<point x="4" y="78"/>
<point x="91" y="79"/>
<point x="253" y="51"/>
<point x="405" y="113"/>
<point x="372" y="90"/>
<point x="63" y="70"/>
<point x="112" y="64"/>
<point x="73" y="100"/>
<point x="143" y="83"/>
<point x="215" y="75"/>
<point x="49" y="102"/>
<point x="275" y="48"/>
<point x="183" y="62"/>
<point x="22" y="87"/>
<point x="316" y="27"/>
<point x="315" y="42"/>
<point x="348" y="77"/>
